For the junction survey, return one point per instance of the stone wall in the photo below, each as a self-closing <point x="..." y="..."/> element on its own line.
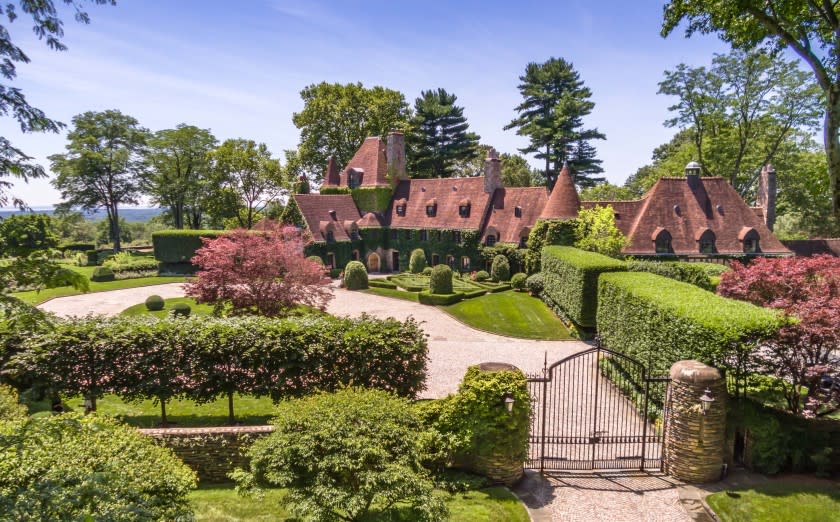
<point x="211" y="452"/>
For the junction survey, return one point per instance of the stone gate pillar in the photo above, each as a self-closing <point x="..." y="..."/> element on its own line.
<point x="695" y="441"/>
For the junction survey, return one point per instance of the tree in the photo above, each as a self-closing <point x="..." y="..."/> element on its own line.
<point x="809" y="29"/>
<point x="261" y="272"/>
<point x="804" y="353"/>
<point x="516" y="172"/>
<point x="49" y="27"/>
<point x="500" y="269"/>
<point x="347" y="455"/>
<point x="607" y="192"/>
<point x="178" y="172"/>
<point x="584" y="163"/>
<point x="417" y="261"/>
<point x="247" y="170"/>
<point x="20" y="235"/>
<point x="102" y="165"/>
<point x="596" y="231"/>
<point x="555" y="101"/>
<point x="336" y="119"/>
<point x="67" y="467"/>
<point x="438" y="137"/>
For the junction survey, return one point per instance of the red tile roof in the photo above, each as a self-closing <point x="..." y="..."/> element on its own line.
<point x="563" y="202"/>
<point x="447" y="193"/>
<point x="503" y="220"/>
<point x="316" y="210"/>
<point x="369" y="162"/>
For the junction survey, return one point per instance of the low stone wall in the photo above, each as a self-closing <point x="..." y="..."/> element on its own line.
<point x="211" y="452"/>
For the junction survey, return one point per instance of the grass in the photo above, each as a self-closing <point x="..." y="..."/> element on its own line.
<point x="197" y="309"/>
<point x="509" y="313"/>
<point x="389" y="292"/>
<point x="780" y="500"/>
<point x="221" y="503"/>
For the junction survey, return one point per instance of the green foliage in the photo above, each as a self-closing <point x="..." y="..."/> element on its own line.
<point x="291" y="214"/>
<point x="514" y="254"/>
<point x="316" y="259"/>
<point x="570" y="278"/>
<point x="440" y="282"/>
<point x="607" y="192"/>
<point x="334" y="190"/>
<point x="69" y="467"/>
<point x="10" y="407"/>
<point x="596" y="231"/>
<point x="518" y="281"/>
<point x="181" y="309"/>
<point x="344" y="455"/>
<point x="427" y="271"/>
<point x="500" y="269"/>
<point x="154" y="303"/>
<point x="544" y="233"/>
<point x="22" y="234"/>
<point x="179" y="246"/>
<point x="125" y="262"/>
<point x="535" y="284"/>
<point x="481" y="276"/>
<point x="417" y="261"/>
<point x="659" y="321"/>
<point x="102" y="274"/>
<point x="355" y="276"/>
<point x="92" y="257"/>
<point x="689" y="273"/>
<point x="381" y="283"/>
<point x="426" y="297"/>
<point x="441" y="242"/>
<point x="371" y="199"/>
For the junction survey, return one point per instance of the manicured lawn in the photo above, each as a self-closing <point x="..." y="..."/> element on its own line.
<point x="510" y="313"/>
<point x="197" y="309"/>
<point x="217" y="504"/>
<point x="388" y="292"/>
<point x="780" y="500"/>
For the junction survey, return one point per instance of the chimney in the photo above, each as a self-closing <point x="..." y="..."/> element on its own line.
<point x="395" y="155"/>
<point x="492" y="171"/>
<point x="332" y="176"/>
<point x="766" y="196"/>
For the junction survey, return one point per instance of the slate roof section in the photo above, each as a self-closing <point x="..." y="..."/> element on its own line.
<point x="448" y="193"/>
<point x="316" y="211"/>
<point x="503" y="219"/>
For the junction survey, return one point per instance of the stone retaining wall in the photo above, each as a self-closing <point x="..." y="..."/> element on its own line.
<point x="211" y="452"/>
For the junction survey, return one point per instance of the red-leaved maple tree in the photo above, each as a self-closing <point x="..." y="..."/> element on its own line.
<point x="805" y="353"/>
<point x="260" y="272"/>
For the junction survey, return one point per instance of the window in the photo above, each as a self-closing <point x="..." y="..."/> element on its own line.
<point x="465" y="263"/>
<point x="751" y="245"/>
<point x="490" y="240"/>
<point x="456" y="236"/>
<point x="331" y="260"/>
<point x="395" y="234"/>
<point x="464" y="211"/>
<point x="437" y="235"/>
<point x="401" y="210"/>
<point x="517" y="212"/>
<point x="354" y="179"/>
<point x="435" y="260"/>
<point x="354" y="255"/>
<point x="707" y="242"/>
<point x="523" y="242"/>
<point x="330" y="236"/>
<point x="662" y="241"/>
<point x="354" y="234"/>
<point x="407" y="234"/>
<point x="450" y="262"/>
<point x="424" y="235"/>
<point x="431" y="210"/>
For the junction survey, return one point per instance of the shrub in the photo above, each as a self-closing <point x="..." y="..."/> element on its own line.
<point x="382" y="283"/>
<point x="77" y="247"/>
<point x="316" y="259"/>
<point x="481" y="276"/>
<point x="135" y="264"/>
<point x="500" y="269"/>
<point x="346" y="455"/>
<point x="535" y="284"/>
<point x="427" y="271"/>
<point x="517" y="282"/>
<point x="596" y="231"/>
<point x="417" y="261"/>
<point x="336" y="273"/>
<point x="69" y="467"/>
<point x="571" y="281"/>
<point x="180" y="246"/>
<point x="427" y="298"/>
<point x="355" y="276"/>
<point x="10" y="407"/>
<point x="440" y="282"/>
<point x="659" y="321"/>
<point x="154" y="303"/>
<point x="22" y="234"/>
<point x="92" y="257"/>
<point x="686" y="272"/>
<point x="101" y="274"/>
<point x="181" y="309"/>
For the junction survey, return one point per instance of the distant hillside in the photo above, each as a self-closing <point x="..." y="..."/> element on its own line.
<point x="129" y="214"/>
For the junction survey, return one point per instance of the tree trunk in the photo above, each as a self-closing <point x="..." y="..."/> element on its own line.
<point x="92" y="408"/>
<point x="115" y="228"/>
<point x="178" y="215"/>
<point x="832" y="149"/>
<point x="231" y="418"/>
<point x="163" y="413"/>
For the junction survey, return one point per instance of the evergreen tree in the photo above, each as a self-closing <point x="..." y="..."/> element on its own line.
<point x="584" y="165"/>
<point x="555" y="101"/>
<point x="439" y="139"/>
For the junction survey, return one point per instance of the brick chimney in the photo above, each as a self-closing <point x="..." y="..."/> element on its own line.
<point x="332" y="176"/>
<point x="766" y="195"/>
<point x="395" y="155"/>
<point x="492" y="171"/>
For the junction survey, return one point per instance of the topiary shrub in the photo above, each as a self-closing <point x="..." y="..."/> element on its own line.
<point x="316" y="259"/>
<point x="427" y="298"/>
<point x="355" y="276"/>
<point x="10" y="407"/>
<point x="481" y="276"/>
<point x="92" y="257"/>
<point x="427" y="271"/>
<point x="500" y="269"/>
<point x="154" y="303"/>
<point x="440" y="282"/>
<point x="517" y="282"/>
<point x="102" y="274"/>
<point x="417" y="261"/>
<point x="322" y="446"/>
<point x="181" y="309"/>
<point x="535" y="284"/>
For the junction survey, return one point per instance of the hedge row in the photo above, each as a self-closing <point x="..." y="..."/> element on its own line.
<point x="203" y="358"/>
<point x="428" y="298"/>
<point x="692" y="273"/>
<point x="570" y="278"/>
<point x="659" y="321"/>
<point x="179" y="246"/>
<point x="135" y="265"/>
<point x="381" y="283"/>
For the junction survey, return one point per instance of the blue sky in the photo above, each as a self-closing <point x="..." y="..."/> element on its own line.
<point x="238" y="67"/>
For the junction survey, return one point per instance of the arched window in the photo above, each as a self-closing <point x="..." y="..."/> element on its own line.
<point x="399" y="206"/>
<point x="662" y="241"/>
<point x="465" y="263"/>
<point x="450" y="262"/>
<point x="431" y="207"/>
<point x="464" y="208"/>
<point x="750" y="240"/>
<point x="330" y="236"/>
<point x="354" y="234"/>
<point x="706" y="240"/>
<point x="490" y="240"/>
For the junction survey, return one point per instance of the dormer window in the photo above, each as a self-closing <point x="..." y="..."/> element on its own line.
<point x="706" y="239"/>
<point x="354" y="234"/>
<point x="491" y="240"/>
<point x="400" y="210"/>
<point x="750" y="240"/>
<point x="662" y="241"/>
<point x="464" y="208"/>
<point x="431" y="207"/>
<point x="330" y="236"/>
<point x="517" y="212"/>
<point x="354" y="178"/>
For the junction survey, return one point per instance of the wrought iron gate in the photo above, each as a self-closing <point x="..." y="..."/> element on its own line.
<point x="597" y="409"/>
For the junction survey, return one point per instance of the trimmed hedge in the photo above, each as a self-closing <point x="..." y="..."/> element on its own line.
<point x="691" y="273"/>
<point x="102" y="274"/>
<point x="381" y="283"/>
<point x="417" y="261"/>
<point x="500" y="269"/>
<point x="179" y="246"/>
<point x="659" y="321"/>
<point x="154" y="303"/>
<point x="135" y="265"/>
<point x="440" y="282"/>
<point x="570" y="278"/>
<point x="428" y="298"/>
<point x="181" y="309"/>
<point x="535" y="284"/>
<point x="481" y="276"/>
<point x="77" y="247"/>
<point x="517" y="282"/>
<point x="355" y="276"/>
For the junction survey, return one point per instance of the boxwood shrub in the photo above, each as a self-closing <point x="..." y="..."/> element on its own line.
<point x="659" y="321"/>
<point x="179" y="246"/>
<point x="417" y="261"/>
<point x="428" y="298"/>
<point x="355" y="276"/>
<point x="517" y="282"/>
<point x="181" y="309"/>
<point x="481" y="276"/>
<point x="381" y="283"/>
<point x="500" y="269"/>
<point x="570" y="278"/>
<point x="440" y="282"/>
<point x="154" y="303"/>
<point x="102" y="274"/>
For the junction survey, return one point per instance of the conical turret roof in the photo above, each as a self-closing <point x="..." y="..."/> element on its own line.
<point x="563" y="203"/>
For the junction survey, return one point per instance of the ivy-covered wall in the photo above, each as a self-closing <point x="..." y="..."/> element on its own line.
<point x="343" y="251"/>
<point x="544" y="233"/>
<point x="372" y="199"/>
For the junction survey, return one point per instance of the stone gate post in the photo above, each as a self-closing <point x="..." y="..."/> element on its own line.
<point x="695" y="440"/>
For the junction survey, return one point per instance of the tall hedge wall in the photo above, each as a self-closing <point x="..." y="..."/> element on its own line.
<point x="571" y="281"/>
<point x="659" y="321"/>
<point x="179" y="246"/>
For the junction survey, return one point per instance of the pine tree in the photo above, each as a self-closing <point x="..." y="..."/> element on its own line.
<point x="555" y="100"/>
<point x="585" y="166"/>
<point x="439" y="138"/>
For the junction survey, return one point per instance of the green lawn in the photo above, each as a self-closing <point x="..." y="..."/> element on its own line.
<point x="218" y="504"/>
<point x="197" y="309"/>
<point x="780" y="500"/>
<point x="510" y="313"/>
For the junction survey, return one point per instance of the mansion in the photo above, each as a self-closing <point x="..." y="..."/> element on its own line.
<point x="372" y="211"/>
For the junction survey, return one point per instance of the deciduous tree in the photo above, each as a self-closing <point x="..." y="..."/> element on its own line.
<point x="20" y="235"/>
<point x="596" y="231"/>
